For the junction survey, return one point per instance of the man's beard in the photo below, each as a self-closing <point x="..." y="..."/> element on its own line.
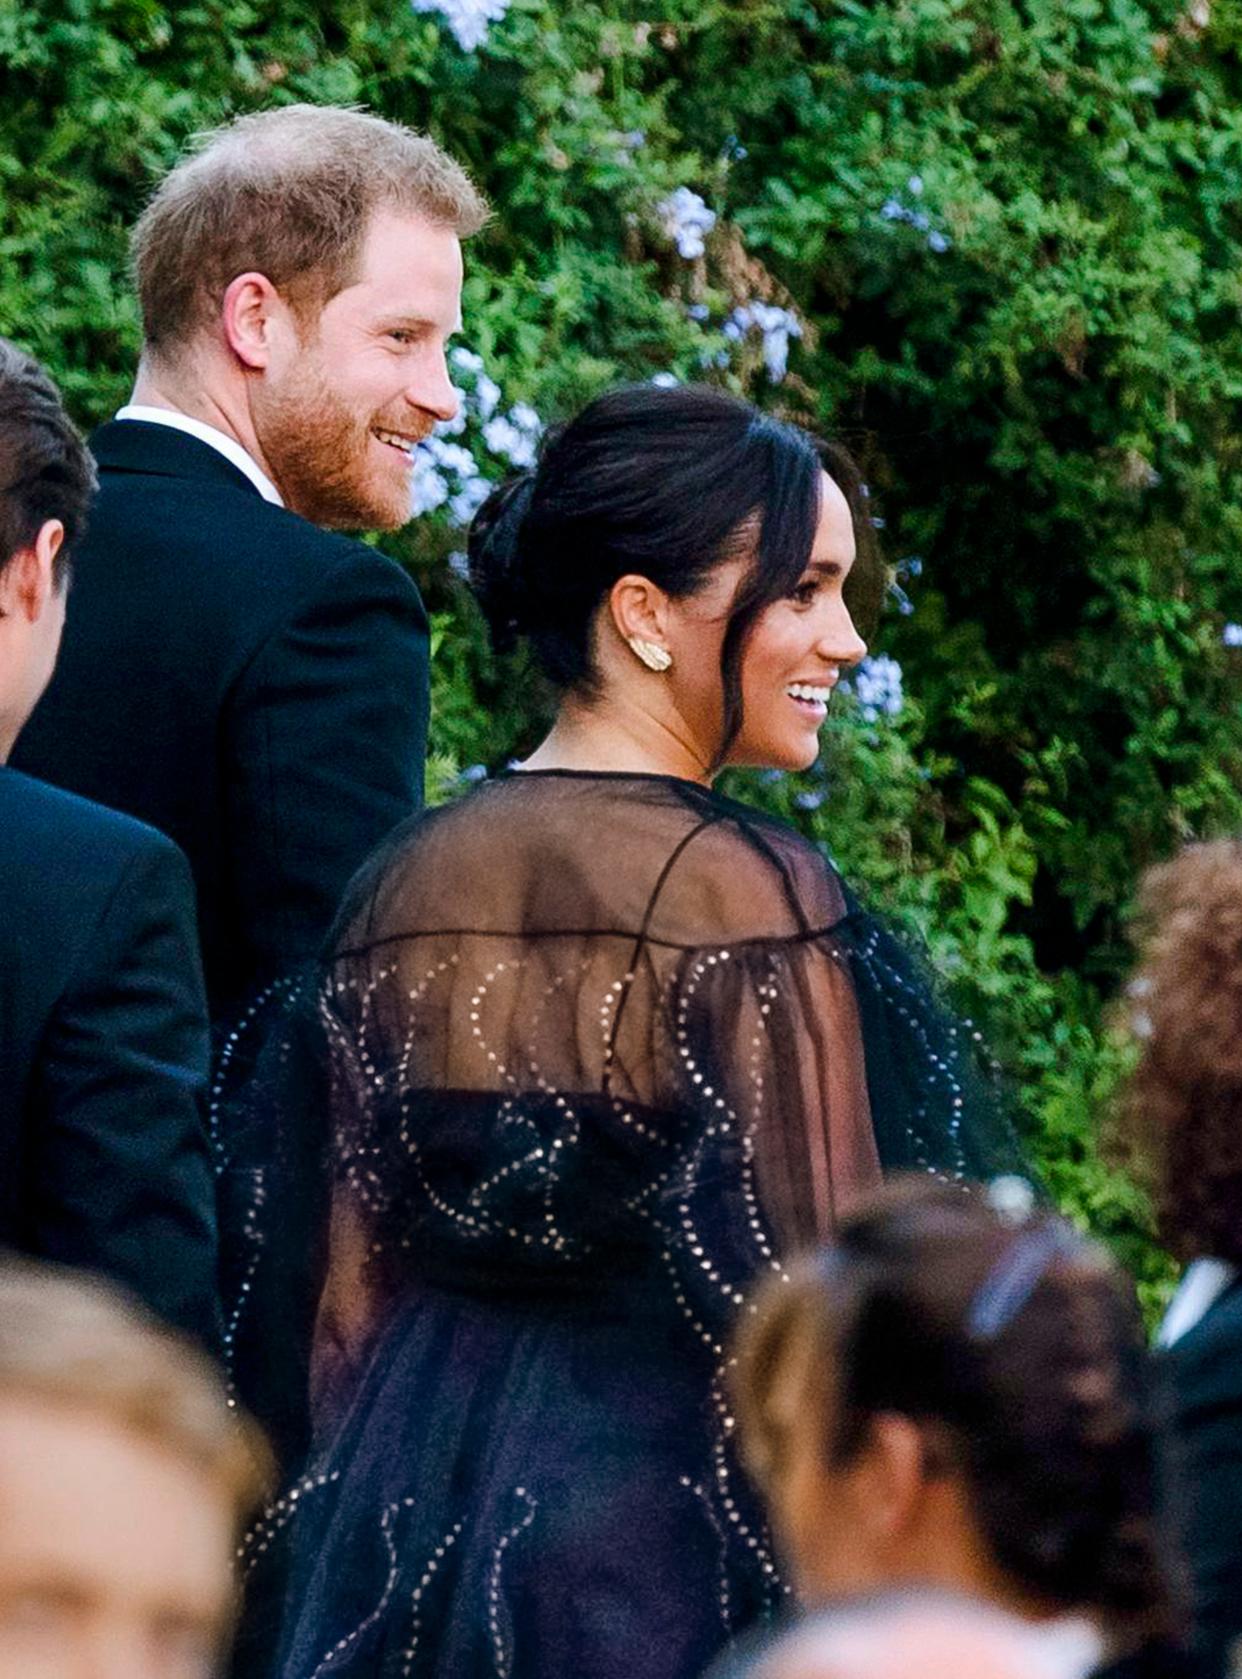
<point x="321" y="456"/>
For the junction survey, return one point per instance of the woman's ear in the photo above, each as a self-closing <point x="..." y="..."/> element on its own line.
<point x="893" y="1471"/>
<point x="639" y="610"/>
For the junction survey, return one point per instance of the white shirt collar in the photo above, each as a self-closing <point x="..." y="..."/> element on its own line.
<point x="212" y="437"/>
<point x="1203" y="1284"/>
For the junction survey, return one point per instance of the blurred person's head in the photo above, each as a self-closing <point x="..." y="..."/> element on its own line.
<point x="47" y="480"/>
<point x="125" y="1478"/>
<point x="684" y="563"/>
<point x="951" y="1396"/>
<point x="1182" y="1105"/>
<point x="299" y="276"/>
<point x="917" y="1635"/>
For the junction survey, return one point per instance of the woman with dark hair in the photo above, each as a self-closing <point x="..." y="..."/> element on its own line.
<point x="1183" y="1118"/>
<point x="603" y="1046"/>
<point x="954" y="1396"/>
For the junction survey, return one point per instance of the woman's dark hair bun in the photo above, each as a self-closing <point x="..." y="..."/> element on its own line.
<point x="494" y="553"/>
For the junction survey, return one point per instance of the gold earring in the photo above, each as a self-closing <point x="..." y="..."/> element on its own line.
<point x="651" y="653"/>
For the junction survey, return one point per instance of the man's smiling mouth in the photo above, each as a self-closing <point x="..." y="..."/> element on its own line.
<point x="395" y="440"/>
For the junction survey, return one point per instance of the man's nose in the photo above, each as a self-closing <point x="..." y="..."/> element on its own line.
<point x="432" y="390"/>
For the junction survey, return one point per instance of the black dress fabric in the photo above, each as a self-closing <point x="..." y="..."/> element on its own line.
<point x="600" y="1050"/>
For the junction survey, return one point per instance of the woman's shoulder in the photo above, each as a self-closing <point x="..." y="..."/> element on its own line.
<point x="743" y="875"/>
<point x="640" y="855"/>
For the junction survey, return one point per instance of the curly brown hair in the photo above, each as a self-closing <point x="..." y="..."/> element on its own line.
<point x="1180" y="1112"/>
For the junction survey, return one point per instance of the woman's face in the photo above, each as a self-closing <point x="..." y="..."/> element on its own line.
<point x="798" y="649"/>
<point x="792" y="660"/>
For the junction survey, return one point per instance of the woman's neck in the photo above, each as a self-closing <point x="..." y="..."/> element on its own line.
<point x="604" y="736"/>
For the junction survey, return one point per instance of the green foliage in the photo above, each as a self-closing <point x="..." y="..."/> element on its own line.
<point x="1009" y="229"/>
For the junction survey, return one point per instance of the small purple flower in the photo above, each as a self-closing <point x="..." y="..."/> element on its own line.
<point x="513" y="442"/>
<point x="687" y="221"/>
<point x="937" y="241"/>
<point x="900" y="599"/>
<point x="468" y="19"/>
<point x="777" y="325"/>
<point x="466" y="503"/>
<point x="877" y="686"/>
<point x="428" y="488"/>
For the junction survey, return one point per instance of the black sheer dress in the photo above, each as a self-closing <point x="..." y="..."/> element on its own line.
<point x="602" y="1049"/>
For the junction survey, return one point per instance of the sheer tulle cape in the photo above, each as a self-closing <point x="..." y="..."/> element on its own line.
<point x="595" y="1052"/>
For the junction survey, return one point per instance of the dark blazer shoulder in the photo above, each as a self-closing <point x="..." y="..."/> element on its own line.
<point x="71" y="874"/>
<point x="53" y="830"/>
<point x="168" y="492"/>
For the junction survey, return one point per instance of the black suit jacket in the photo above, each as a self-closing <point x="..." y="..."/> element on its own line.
<point x="103" y="1052"/>
<point x="253" y="686"/>
<point x="1204" y="1368"/>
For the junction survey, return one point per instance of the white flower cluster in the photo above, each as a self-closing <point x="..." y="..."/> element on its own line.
<point x="1231" y="635"/>
<point x="687" y="221"/>
<point x="893" y="210"/>
<point x="468" y="19"/>
<point x="446" y="473"/>
<point x="877" y="687"/>
<point x="777" y="325"/>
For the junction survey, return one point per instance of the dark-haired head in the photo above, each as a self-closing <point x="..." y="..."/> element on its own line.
<point x="46" y="472"/>
<point x="971" y="1392"/>
<point x="47" y="479"/>
<point x="670" y="486"/>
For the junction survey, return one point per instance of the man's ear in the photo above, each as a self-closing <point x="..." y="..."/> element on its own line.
<point x="639" y="607"/>
<point x="251" y="313"/>
<point x="28" y="582"/>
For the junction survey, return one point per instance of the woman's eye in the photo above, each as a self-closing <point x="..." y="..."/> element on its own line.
<point x="805" y="593"/>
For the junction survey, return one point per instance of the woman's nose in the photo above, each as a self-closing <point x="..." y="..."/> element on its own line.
<point x="841" y="642"/>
